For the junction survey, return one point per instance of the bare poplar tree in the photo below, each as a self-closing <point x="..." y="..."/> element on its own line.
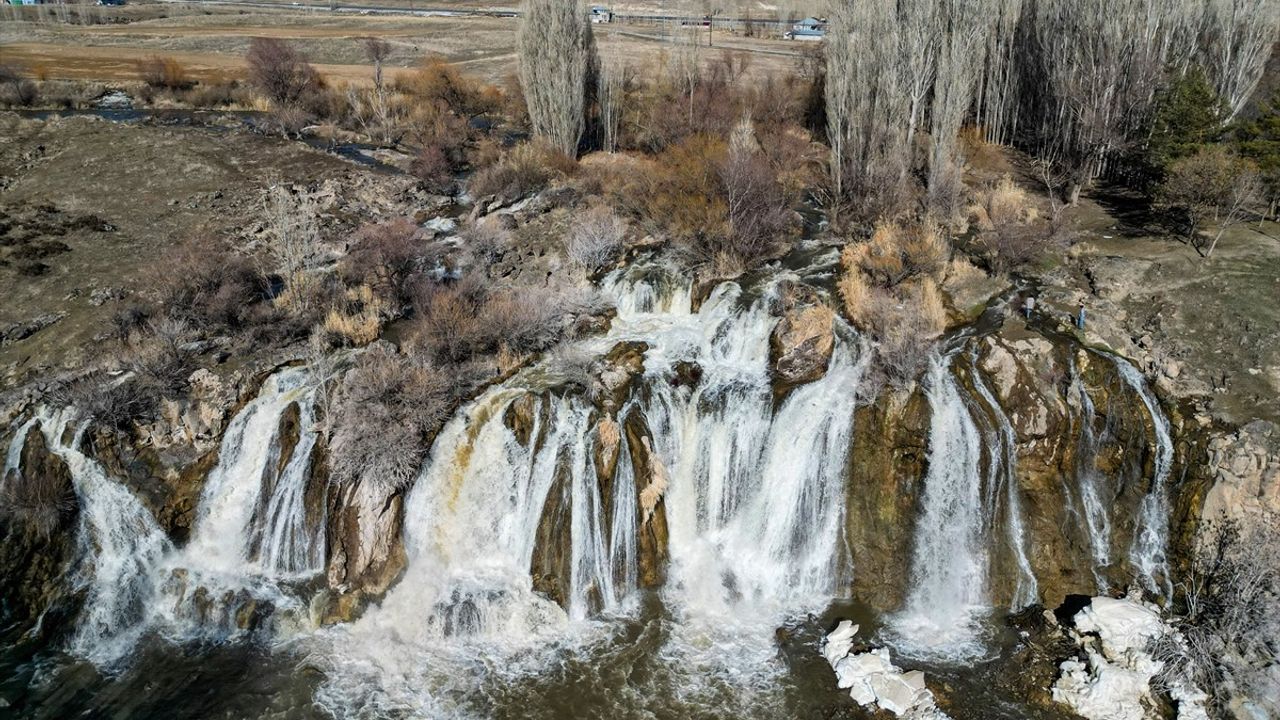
<point x="610" y="90"/>
<point x="997" y="108"/>
<point x="965" y="24"/>
<point x="1237" y="42"/>
<point x="868" y="107"/>
<point x="1101" y="62"/>
<point x="921" y="32"/>
<point x="557" y="58"/>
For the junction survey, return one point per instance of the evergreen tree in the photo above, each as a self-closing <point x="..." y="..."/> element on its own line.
<point x="1258" y="139"/>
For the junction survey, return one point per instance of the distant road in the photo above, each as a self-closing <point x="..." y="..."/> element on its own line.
<point x="428" y="11"/>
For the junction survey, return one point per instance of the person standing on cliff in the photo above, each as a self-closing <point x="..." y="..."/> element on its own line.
<point x="1080" y="316"/>
<point x="1028" y="305"/>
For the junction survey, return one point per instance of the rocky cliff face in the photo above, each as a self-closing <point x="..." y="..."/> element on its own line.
<point x="37" y="536"/>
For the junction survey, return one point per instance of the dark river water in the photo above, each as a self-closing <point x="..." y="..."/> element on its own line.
<point x="632" y="673"/>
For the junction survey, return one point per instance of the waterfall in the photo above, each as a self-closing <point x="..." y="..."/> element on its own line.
<point x="229" y="513"/>
<point x="1088" y="479"/>
<point x="949" y="568"/>
<point x="251" y="531"/>
<point x="754" y="509"/>
<point x="1003" y="472"/>
<point x="1150" y="542"/>
<point x="120" y="547"/>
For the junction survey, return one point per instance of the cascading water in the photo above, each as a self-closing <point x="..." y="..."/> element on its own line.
<point x="949" y="569"/>
<point x="1148" y="552"/>
<point x="1089" y="481"/>
<point x="754" y="509"/>
<point x="252" y="528"/>
<point x="1003" y="473"/>
<point x="120" y="548"/>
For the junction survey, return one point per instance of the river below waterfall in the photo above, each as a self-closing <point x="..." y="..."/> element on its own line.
<point x="633" y="670"/>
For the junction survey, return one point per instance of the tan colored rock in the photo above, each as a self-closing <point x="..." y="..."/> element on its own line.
<point x="1245" y="467"/>
<point x="801" y="344"/>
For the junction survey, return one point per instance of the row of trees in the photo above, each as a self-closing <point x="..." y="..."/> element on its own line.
<point x="1074" y="81"/>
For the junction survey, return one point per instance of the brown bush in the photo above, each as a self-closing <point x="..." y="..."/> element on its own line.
<point x="889" y="290"/>
<point x="357" y="320"/>
<point x="433" y="169"/>
<point x="388" y="408"/>
<point x="435" y="80"/>
<point x="389" y="257"/>
<point x="1009" y="231"/>
<point x="595" y="239"/>
<point x="15" y="90"/>
<point x="163" y="72"/>
<point x="280" y="73"/>
<point x="204" y="282"/>
<point x="39" y="502"/>
<point x="522" y="171"/>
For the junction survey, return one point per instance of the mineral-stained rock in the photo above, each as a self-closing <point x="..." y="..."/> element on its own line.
<point x="801" y="344"/>
<point x="366" y="547"/>
<point x="652" y="536"/>
<point x="37" y="543"/>
<point x="887" y="464"/>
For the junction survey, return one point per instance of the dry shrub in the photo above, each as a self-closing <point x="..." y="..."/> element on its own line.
<point x="163" y="72"/>
<point x="433" y="169"/>
<point x="889" y="289"/>
<point x="204" y="282"/>
<point x="437" y="81"/>
<point x="456" y="322"/>
<point x="216" y="94"/>
<point x="484" y="241"/>
<point x="722" y="205"/>
<point x="388" y="408"/>
<point x="357" y="320"/>
<point x="595" y="240"/>
<point x="1009" y="233"/>
<point x="15" y="90"/>
<point x="524" y="170"/>
<point x="389" y="257"/>
<point x="39" y="502"/>
<point x="280" y="73"/>
<point x="1229" y="603"/>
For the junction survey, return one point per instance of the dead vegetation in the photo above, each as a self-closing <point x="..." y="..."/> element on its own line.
<point x="889" y="287"/>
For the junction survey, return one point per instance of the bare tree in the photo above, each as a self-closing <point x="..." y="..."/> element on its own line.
<point x="611" y="86"/>
<point x="1212" y="185"/>
<point x="292" y="223"/>
<point x="1238" y="38"/>
<point x="997" y="109"/>
<point x="1099" y="64"/>
<point x="956" y="78"/>
<point x="1230" y="608"/>
<point x="279" y="72"/>
<point x="557" y="60"/>
<point x="868" y="107"/>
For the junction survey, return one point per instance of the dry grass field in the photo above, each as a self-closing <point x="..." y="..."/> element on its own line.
<point x="210" y="41"/>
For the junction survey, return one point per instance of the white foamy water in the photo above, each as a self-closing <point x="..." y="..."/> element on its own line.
<point x="120" y="548"/>
<point x="1002" y="473"/>
<point x="754" y="509"/>
<point x="948" y="589"/>
<point x="1089" y="483"/>
<point x="1149" y="552"/>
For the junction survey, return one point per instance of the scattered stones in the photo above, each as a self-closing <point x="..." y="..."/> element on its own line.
<point x="1113" y="680"/>
<point x="23" y="330"/>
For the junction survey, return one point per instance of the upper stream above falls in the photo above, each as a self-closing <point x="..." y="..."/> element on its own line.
<point x="663" y="536"/>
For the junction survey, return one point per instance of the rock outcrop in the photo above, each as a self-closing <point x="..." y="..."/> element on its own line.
<point x="801" y="344"/>
<point x="38" y="510"/>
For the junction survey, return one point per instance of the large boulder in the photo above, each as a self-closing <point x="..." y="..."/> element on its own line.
<point x="366" y="546"/>
<point x="801" y="344"/>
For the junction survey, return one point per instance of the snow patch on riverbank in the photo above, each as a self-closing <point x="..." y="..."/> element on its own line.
<point x="874" y="681"/>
